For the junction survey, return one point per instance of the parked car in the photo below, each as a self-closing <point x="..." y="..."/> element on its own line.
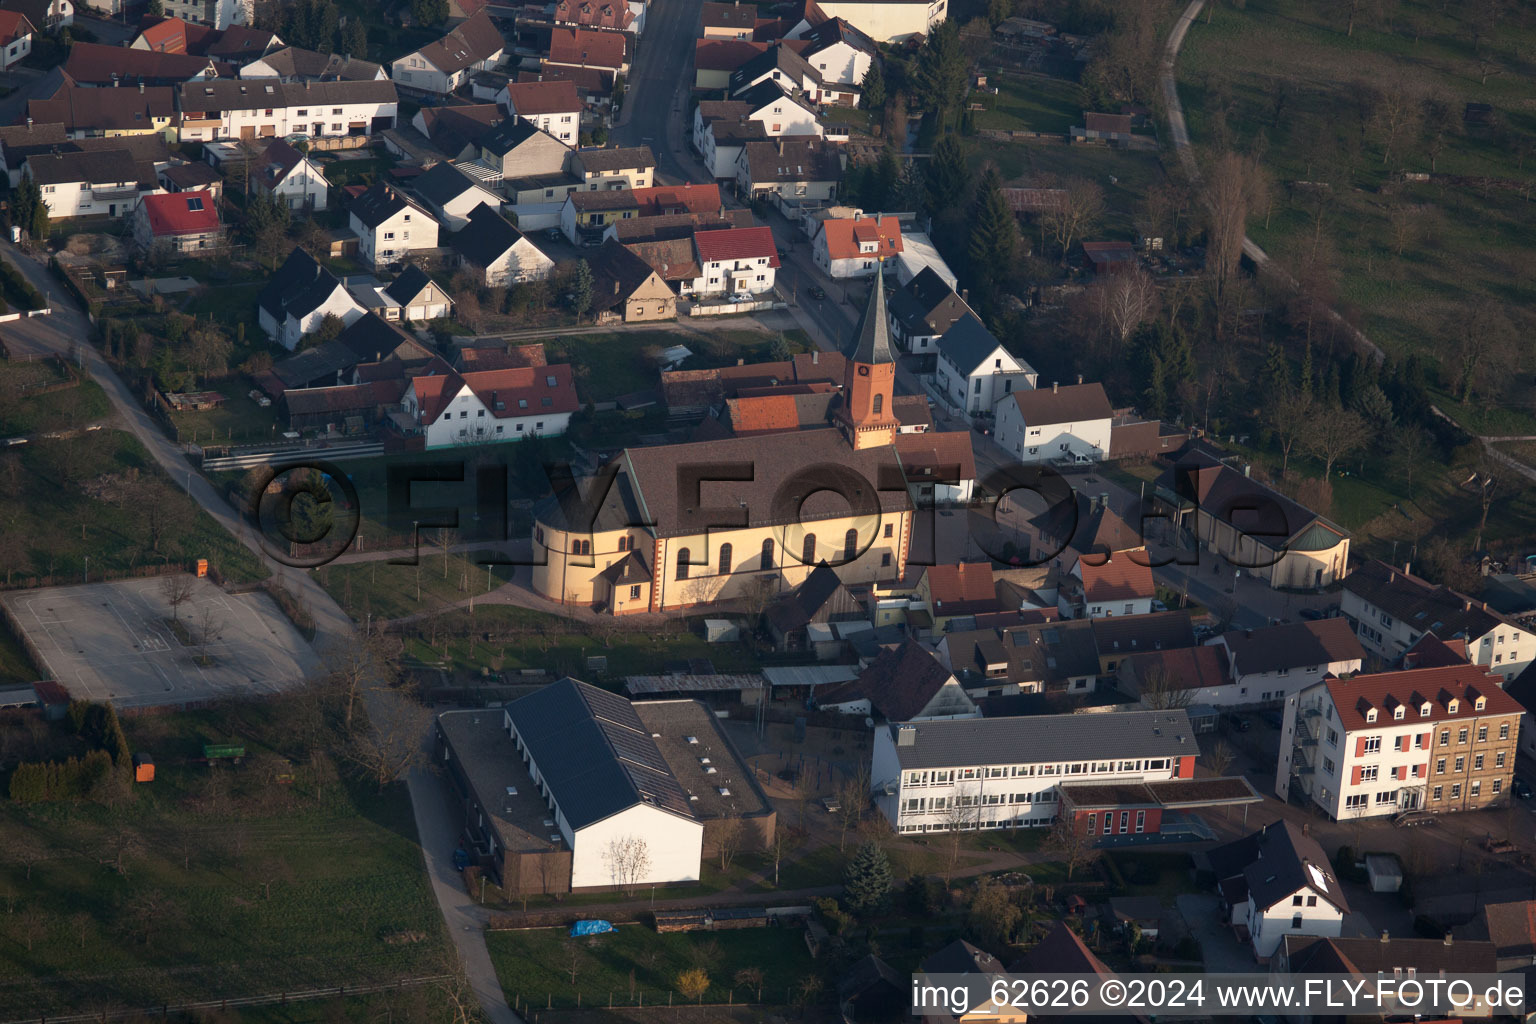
<point x="741" y="297"/>
<point x="1522" y="789"/>
<point x="1158" y="606"/>
<point x="1239" y="723"/>
<point x="816" y="291"/>
<point x="554" y="234"/>
<point x="1312" y="614"/>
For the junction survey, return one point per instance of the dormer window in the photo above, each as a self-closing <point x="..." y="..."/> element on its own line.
<point x="1482" y="702"/>
<point x="1397" y="713"/>
<point x="1454" y="706"/>
<point x="1370" y="714"/>
<point x="1424" y="710"/>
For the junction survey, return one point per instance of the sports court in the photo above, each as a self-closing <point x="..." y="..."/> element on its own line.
<point x="113" y="642"/>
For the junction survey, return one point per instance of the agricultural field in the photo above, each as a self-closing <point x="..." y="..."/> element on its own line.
<point x="54" y="410"/>
<point x="1439" y="268"/>
<point x="221" y="881"/>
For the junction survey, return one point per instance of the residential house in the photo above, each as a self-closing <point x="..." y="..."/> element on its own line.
<point x="19" y="143"/>
<point x="940" y="466"/>
<point x="366" y="349"/>
<point x="1185" y="676"/>
<point x="1010" y="772"/>
<point x="735" y="261"/>
<point x="15" y="38"/>
<point x="499" y="252"/>
<point x="615" y="168"/>
<point x="1278" y="882"/>
<point x="625" y="287"/>
<point x="977" y="375"/>
<point x="673" y="259"/>
<point x="729" y="20"/>
<point x="552" y="107"/>
<point x="413" y="296"/>
<point x="450" y="194"/>
<point x="43" y="15"/>
<point x="1431" y="739"/>
<point x="588" y="48"/>
<point x="1511" y="929"/>
<point x="389" y="227"/>
<point x="217" y="14"/>
<point x="284" y="172"/>
<point x="857" y="246"/>
<point x="105" y="182"/>
<point x="88" y="112"/>
<point x="838" y="52"/>
<point x="820" y="598"/>
<point x="1062" y="424"/>
<point x="1391" y="610"/>
<point x="488" y="406"/>
<point x="1523" y="689"/>
<point x="1122" y="636"/>
<point x="962" y="958"/>
<point x="903" y="684"/>
<point x="455" y="132"/>
<point x="720" y="140"/>
<point x="957" y="591"/>
<point x="780" y="111"/>
<point x="612" y="15"/>
<point x="872" y="990"/>
<point x="1110" y="258"/>
<point x="1364" y="960"/>
<point x="296" y="64"/>
<point x="299" y="296"/>
<point x="185" y="223"/>
<point x="885" y="21"/>
<point x="440" y="67"/>
<point x="923" y="310"/>
<point x="343" y="408"/>
<point x="109" y="66"/>
<point x="1030" y="658"/>
<point x="1276" y="662"/>
<point x="585" y="216"/>
<point x="268" y="109"/>
<point x="594" y="86"/>
<point x="1101" y="586"/>
<point x="1258" y="530"/>
<point x="795" y="172"/>
<point x="193" y="177"/>
<point x="715" y="60"/>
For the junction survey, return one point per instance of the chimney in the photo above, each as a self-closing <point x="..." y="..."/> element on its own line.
<point x="1055" y="386"/>
<point x="1386" y="936"/>
<point x="1247" y="469"/>
<point x="1079" y="378"/>
<point x="781" y="151"/>
<point x="1466" y="605"/>
<point x="1447" y="938"/>
<point x="141" y="87"/>
<point x="906" y="735"/>
<point x="615" y="287"/>
<point x="965" y="296"/>
<point x="816" y="357"/>
<point x="1392" y="576"/>
<point x="29" y="124"/>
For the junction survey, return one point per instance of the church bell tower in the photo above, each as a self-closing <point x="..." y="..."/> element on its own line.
<point x="869" y="378"/>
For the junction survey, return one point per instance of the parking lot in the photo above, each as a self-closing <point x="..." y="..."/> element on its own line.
<point x="116" y="642"/>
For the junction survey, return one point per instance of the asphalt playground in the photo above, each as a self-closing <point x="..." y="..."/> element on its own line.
<point x="115" y="642"/>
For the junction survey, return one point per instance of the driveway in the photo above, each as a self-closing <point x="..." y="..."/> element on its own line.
<point x="1218" y="946"/>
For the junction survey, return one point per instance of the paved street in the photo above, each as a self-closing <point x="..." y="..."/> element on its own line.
<point x="659" y="79"/>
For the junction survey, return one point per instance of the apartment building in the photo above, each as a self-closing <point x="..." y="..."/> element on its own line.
<point x="1432" y="739"/>
<point x="263" y="108"/>
<point x="1010" y="772"/>
<point x="1392" y="609"/>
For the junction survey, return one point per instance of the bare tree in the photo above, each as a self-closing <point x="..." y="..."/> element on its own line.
<point x="777" y="847"/>
<point x="392" y="742"/>
<point x="29" y="925"/>
<point x="1219" y="758"/>
<point x="352" y="667"/>
<point x="852" y="798"/>
<point x="752" y="978"/>
<point x="1230" y="192"/>
<point x="1287" y="416"/>
<point x="1069" y="840"/>
<point x="210" y="626"/>
<point x="1397" y="114"/>
<point x="1075" y="214"/>
<point x="176" y="589"/>
<point x="1161" y="690"/>
<point x="728" y="835"/>
<point x="959" y="814"/>
<point x="1331" y="434"/>
<point x="80" y="924"/>
<point x="25" y="848"/>
<point x="1129" y="300"/>
<point x="628" y="859"/>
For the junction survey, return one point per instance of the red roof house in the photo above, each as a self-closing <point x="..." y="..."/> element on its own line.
<point x="731" y="244"/>
<point x="186" y="221"/>
<point x="586" y="48"/>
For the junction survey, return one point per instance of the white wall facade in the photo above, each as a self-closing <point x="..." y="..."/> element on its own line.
<point x="889" y="22"/>
<point x="14" y="52"/>
<point x="396" y="238"/>
<point x="727" y="277"/>
<point x="523" y="262"/>
<point x="1043" y="442"/>
<point x="92" y="199"/>
<point x="1268" y="927"/>
<point x="304" y="187"/>
<point x="288" y="333"/>
<point x="466" y="420"/>
<point x="334" y="120"/>
<point x="1505" y="650"/>
<point x="674" y="845"/>
<point x="979" y="392"/>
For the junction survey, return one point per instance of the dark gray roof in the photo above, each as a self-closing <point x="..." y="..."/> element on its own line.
<point x="411" y="283"/>
<point x="834" y="31"/>
<point x="378" y="204"/>
<point x="97" y="167"/>
<point x="617" y="159"/>
<point x="967" y="343"/>
<point x="1424" y="606"/>
<point x="594" y="753"/>
<point x="872" y="339"/>
<point x="442" y="184"/>
<point x="486" y="238"/>
<point x="1275" y="862"/>
<point x="255" y="93"/>
<point x="298" y="288"/>
<point x="766" y="92"/>
<point x="1047" y="738"/>
<point x="510" y="134"/>
<point x="315" y="367"/>
<point x="370" y="339"/>
<point x="297" y="62"/>
<point x="960" y="957"/>
<point x="777" y="57"/>
<point x="926" y="304"/>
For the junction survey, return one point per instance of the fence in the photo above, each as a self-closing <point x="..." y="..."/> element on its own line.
<point x="733" y="308"/>
<point x="302" y="453"/>
<point x="236" y="1002"/>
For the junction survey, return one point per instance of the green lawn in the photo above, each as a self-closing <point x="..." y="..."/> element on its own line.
<point x="55" y="410"/>
<point x="229" y="884"/>
<point x="1036" y="103"/>
<point x="239" y="419"/>
<point x="230" y="305"/>
<point x="535" y="966"/>
<point x="15" y="666"/>
<point x="101" y="496"/>
<point x="610" y="365"/>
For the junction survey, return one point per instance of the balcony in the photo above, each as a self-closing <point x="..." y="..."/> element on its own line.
<point x="114" y="193"/>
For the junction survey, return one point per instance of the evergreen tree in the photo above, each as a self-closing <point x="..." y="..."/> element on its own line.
<point x="354" y="37"/>
<point x="874" y="86"/>
<point x="994" y="240"/>
<point x="883" y="182"/>
<point x="429" y="12"/>
<point x="1307" y="374"/>
<point x="155" y="9"/>
<point x="581" y="288"/>
<point x="1277" y="373"/>
<point x="855" y="190"/>
<point x="867" y="880"/>
<point x="941" y="68"/>
<point x="946" y="176"/>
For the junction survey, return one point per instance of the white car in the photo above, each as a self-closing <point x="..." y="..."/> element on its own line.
<point x="741" y="297"/>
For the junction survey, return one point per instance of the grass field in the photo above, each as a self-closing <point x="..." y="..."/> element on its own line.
<point x="1034" y="103"/>
<point x="1420" y="267"/>
<point x="535" y="966"/>
<point x="100" y="496"/>
<point x="212" y="882"/>
<point x="390" y="591"/>
<point x="238" y="419"/>
<point x="610" y="365"/>
<point x="55" y="410"/>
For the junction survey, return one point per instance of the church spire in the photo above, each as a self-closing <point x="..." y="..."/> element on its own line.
<point x="872" y="340"/>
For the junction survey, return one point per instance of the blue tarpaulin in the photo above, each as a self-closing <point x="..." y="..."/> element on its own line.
<point x="590" y="928"/>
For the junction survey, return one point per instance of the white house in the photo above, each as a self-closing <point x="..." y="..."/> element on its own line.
<point x="838" y="52"/>
<point x="1060" y="423"/>
<point x="1101" y="586"/>
<point x="607" y="786"/>
<point x="487" y="406"/>
<point x="107" y="182"/>
<point x="856" y="246"/>
<point x="500" y="251"/>
<point x="450" y="194"/>
<point x="273" y="109"/>
<point x="15" y="38"/>
<point x="553" y="107"/>
<point x="1391" y="609"/>
<point x="1278" y="882"/>
<point x="441" y="67"/>
<point x="975" y="374"/>
<point x="902" y="684"/>
<point x="735" y="261"/>
<point x="1276" y="662"/>
<point x="1434" y="739"/>
<point x="299" y="296"/>
<point x="412" y="296"/>
<point x="923" y="310"/>
<point x="885" y="21"/>
<point x="780" y="112"/>
<point x="1009" y="772"/>
<point x="296" y="64"/>
<point x="283" y="171"/>
<point x="796" y="172"/>
<point x="389" y="227"/>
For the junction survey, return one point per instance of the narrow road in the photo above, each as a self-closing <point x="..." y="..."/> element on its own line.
<point x="658" y="88"/>
<point x="62" y="333"/>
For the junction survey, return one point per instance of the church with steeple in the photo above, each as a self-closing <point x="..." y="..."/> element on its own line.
<point x="809" y="463"/>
